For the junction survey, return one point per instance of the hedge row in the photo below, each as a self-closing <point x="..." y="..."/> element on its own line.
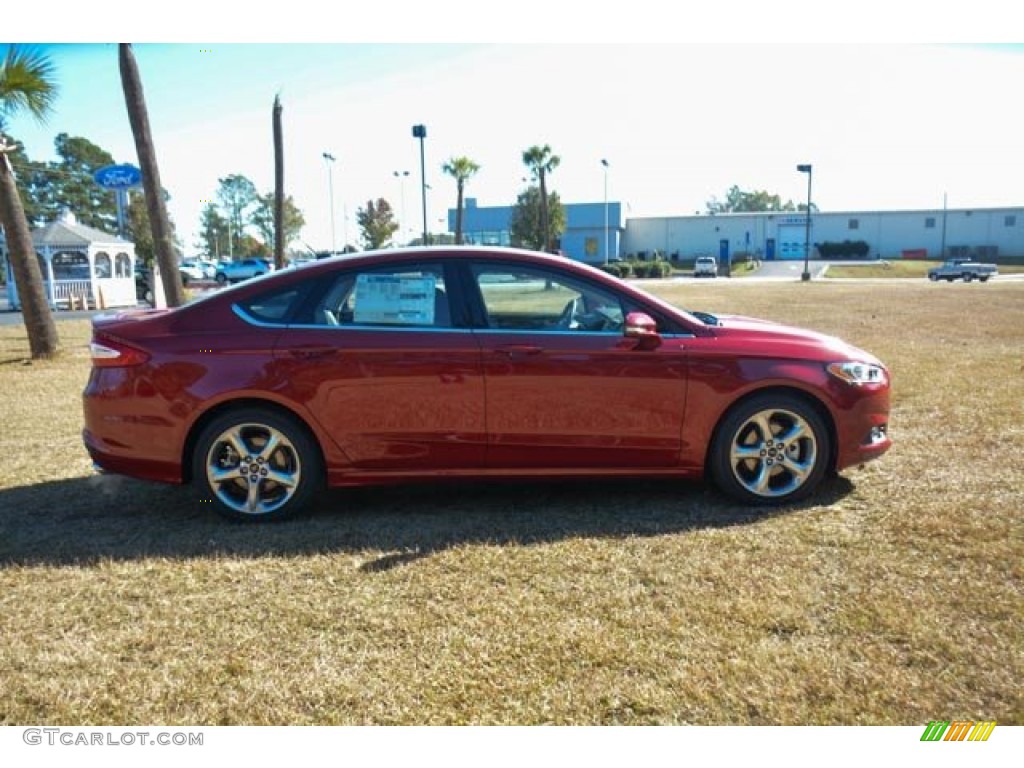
<point x="638" y="268"/>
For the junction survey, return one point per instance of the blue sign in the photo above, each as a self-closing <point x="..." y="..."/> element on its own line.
<point x="118" y="177"/>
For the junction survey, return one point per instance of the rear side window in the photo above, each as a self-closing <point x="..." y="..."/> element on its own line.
<point x="408" y="295"/>
<point x="273" y="307"/>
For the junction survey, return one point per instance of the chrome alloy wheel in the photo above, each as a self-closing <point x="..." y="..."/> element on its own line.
<point x="773" y="453"/>
<point x="253" y="469"/>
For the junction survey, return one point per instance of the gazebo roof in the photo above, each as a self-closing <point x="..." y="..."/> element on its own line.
<point x="66" y="231"/>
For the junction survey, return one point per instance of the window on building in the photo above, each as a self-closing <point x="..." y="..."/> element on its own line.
<point x="590" y="246"/>
<point x="103" y="268"/>
<point x="854" y="223"/>
<point x="122" y="265"/>
<point x="1010" y="221"/>
<point x="929" y="222"/>
<point x="70" y="265"/>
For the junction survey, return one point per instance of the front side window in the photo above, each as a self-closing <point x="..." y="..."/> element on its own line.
<point x="526" y="299"/>
<point x="403" y="296"/>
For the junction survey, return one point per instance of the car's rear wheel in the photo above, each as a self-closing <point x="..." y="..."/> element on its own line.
<point x="221" y="278"/>
<point x="256" y="464"/>
<point x="771" y="449"/>
<point x="933" y="277"/>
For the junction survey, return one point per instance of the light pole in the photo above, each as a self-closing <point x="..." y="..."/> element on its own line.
<point x="420" y="132"/>
<point x="402" y="176"/>
<point x="807" y="237"/>
<point x="329" y="161"/>
<point x="605" y="164"/>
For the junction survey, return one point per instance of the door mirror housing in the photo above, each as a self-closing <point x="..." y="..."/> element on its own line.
<point x="641" y="326"/>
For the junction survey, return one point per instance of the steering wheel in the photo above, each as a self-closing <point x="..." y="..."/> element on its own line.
<point x="568" y="317"/>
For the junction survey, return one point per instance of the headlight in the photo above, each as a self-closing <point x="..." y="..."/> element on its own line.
<point x="858" y="373"/>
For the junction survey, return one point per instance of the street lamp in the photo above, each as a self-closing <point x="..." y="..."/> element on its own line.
<point x="402" y="176"/>
<point x="807" y="237"/>
<point x="329" y="161"/>
<point x="605" y="164"/>
<point x="420" y="132"/>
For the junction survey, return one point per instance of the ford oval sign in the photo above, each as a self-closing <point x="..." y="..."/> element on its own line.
<point x="118" y="177"/>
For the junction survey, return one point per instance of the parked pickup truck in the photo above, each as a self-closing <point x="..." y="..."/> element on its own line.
<point x="963" y="268"/>
<point x="705" y="266"/>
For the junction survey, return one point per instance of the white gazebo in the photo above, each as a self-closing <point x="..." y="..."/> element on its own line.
<point x="81" y="266"/>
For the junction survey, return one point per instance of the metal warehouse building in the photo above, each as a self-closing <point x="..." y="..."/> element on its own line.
<point x="979" y="232"/>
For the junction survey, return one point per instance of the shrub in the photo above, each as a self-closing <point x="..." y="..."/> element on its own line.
<point x="848" y="249"/>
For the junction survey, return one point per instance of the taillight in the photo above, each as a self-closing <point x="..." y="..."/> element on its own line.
<point x="115" y="354"/>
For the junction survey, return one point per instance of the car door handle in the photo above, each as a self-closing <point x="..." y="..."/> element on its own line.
<point x="518" y="350"/>
<point x="313" y="352"/>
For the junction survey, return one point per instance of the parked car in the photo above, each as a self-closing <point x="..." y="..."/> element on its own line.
<point x="232" y="272"/>
<point x="190" y="270"/>
<point x="964" y="269"/>
<point x="439" y="363"/>
<point x="199" y="269"/>
<point x="705" y="266"/>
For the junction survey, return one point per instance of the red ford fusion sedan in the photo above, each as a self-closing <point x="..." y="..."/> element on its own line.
<point x="428" y="363"/>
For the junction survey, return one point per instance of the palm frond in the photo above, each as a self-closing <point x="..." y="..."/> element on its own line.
<point x="27" y="82"/>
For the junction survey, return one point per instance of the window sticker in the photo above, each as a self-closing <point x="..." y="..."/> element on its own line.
<point x="395" y="299"/>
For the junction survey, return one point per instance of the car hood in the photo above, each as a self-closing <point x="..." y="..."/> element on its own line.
<point x="779" y="339"/>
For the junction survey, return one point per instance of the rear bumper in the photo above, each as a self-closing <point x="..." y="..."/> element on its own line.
<point x="118" y="461"/>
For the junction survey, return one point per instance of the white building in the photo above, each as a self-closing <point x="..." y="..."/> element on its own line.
<point x="80" y="264"/>
<point x="979" y="232"/>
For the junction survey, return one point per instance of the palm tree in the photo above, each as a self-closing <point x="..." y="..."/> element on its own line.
<point x="138" y="116"/>
<point x="541" y="162"/>
<point x="461" y="169"/>
<point x="26" y="83"/>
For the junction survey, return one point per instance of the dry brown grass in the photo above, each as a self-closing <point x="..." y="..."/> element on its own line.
<point x="893" y="598"/>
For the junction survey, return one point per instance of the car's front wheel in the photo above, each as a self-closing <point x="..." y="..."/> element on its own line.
<point x="256" y="464"/>
<point x="771" y="449"/>
<point x="221" y="278"/>
<point x="933" y="277"/>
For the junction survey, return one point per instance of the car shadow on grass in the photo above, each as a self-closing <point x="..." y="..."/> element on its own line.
<point x="84" y="521"/>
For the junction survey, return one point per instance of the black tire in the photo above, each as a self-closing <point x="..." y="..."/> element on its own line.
<point x="933" y="277"/>
<point x="287" y="476"/>
<point x="221" y="278"/>
<point x="983" y="278"/>
<point x="780" y="470"/>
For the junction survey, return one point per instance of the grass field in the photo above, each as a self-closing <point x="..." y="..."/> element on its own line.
<point x="893" y="597"/>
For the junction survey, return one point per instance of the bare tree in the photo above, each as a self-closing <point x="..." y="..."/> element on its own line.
<point x="278" y="185"/>
<point x="138" y="116"/>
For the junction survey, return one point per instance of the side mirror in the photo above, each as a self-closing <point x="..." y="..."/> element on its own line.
<point x="641" y="326"/>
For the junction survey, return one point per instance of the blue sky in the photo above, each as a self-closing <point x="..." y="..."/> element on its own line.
<point x="886" y="125"/>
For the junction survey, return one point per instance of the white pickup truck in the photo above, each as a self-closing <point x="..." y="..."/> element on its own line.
<point x="962" y="268"/>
